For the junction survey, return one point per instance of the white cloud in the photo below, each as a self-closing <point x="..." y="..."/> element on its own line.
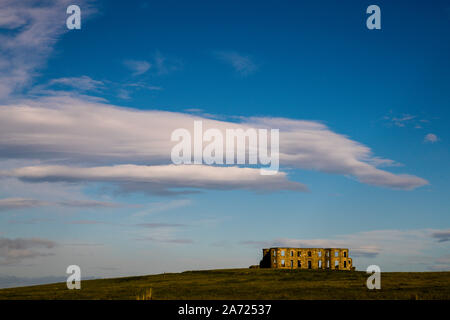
<point x="80" y="131"/>
<point x="138" y="67"/>
<point x="164" y="65"/>
<point x="311" y="145"/>
<point x="158" y="64"/>
<point x="84" y="83"/>
<point x="69" y="130"/>
<point x="401" y="121"/>
<point x="34" y="29"/>
<point x="405" y="120"/>
<point x="242" y="64"/>
<point x="431" y="138"/>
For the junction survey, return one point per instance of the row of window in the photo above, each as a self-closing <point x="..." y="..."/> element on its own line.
<point x="299" y="264"/>
<point x="299" y="253"/>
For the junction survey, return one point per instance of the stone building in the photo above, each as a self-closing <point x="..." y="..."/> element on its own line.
<point x="307" y="258"/>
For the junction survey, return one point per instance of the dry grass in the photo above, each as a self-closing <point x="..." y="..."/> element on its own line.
<point x="245" y="284"/>
<point x="145" y="294"/>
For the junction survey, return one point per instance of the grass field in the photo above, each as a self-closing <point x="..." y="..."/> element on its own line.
<point x="243" y="284"/>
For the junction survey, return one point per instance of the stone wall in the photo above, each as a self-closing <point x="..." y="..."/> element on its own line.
<point x="307" y="258"/>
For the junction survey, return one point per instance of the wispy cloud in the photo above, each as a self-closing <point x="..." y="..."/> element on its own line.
<point x="159" y="225"/>
<point x="83" y="83"/>
<point x="80" y="86"/>
<point x="221" y="243"/>
<point x="441" y="264"/>
<point x="242" y="64"/>
<point x="380" y="162"/>
<point x="13" y="251"/>
<point x="141" y="85"/>
<point x="431" y="138"/>
<point x="157" y="64"/>
<point x="137" y="67"/>
<point x="126" y="90"/>
<point x="165" y="65"/>
<point x="162" y="179"/>
<point x="88" y="204"/>
<point x="405" y="120"/>
<point x="162" y="206"/>
<point x="441" y="236"/>
<point x="174" y="241"/>
<point x="33" y="30"/>
<point x="30" y="221"/>
<point x="401" y="121"/>
<point x="86" y="222"/>
<point x="20" y="203"/>
<point x="124" y="94"/>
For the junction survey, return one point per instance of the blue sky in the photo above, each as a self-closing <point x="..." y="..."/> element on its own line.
<point x="374" y="101"/>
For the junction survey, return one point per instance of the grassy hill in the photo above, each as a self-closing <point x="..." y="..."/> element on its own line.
<point x="249" y="284"/>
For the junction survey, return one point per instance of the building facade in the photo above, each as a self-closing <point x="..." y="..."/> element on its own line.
<point x="307" y="258"/>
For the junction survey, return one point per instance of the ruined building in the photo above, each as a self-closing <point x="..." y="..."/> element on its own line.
<point x="307" y="258"/>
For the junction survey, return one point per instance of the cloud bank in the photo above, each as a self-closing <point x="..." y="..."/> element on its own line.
<point x="73" y="131"/>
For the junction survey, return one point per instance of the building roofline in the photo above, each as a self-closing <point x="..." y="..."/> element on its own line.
<point x="305" y="248"/>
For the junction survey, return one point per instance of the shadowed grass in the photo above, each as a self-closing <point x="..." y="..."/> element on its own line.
<point x="241" y="284"/>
